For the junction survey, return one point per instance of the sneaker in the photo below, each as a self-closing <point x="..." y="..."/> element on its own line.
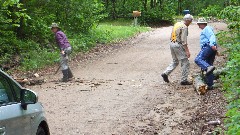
<point x="165" y="77"/>
<point x="186" y="83"/>
<point x="210" y="69"/>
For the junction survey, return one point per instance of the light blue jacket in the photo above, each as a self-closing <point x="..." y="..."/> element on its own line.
<point x="207" y="37"/>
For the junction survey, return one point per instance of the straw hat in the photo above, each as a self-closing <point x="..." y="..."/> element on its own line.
<point x="201" y="21"/>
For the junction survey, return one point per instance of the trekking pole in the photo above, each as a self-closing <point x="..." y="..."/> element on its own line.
<point x="57" y="69"/>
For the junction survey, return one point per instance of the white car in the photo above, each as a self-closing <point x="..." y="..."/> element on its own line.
<point x="20" y="111"/>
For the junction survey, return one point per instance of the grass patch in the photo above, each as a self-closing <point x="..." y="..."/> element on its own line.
<point x="118" y="22"/>
<point x="37" y="60"/>
<point x="111" y="33"/>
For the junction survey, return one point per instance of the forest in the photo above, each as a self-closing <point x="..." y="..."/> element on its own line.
<point x="27" y="42"/>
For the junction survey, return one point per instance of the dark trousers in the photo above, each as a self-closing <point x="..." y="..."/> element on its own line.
<point x="204" y="59"/>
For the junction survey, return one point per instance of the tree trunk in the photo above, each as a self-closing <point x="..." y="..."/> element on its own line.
<point x="199" y="84"/>
<point x="218" y="72"/>
<point x="106" y="3"/>
<point x="179" y="7"/>
<point x="114" y="9"/>
<point x="20" y="29"/>
<point x="145" y="4"/>
<point x="154" y="3"/>
<point x="151" y="4"/>
<point x="123" y="6"/>
<point x="34" y="81"/>
<point x="161" y="4"/>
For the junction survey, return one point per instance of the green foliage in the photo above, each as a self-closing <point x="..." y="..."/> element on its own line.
<point x="231" y="81"/>
<point x="121" y="8"/>
<point x="39" y="58"/>
<point x="76" y="16"/>
<point x="110" y="33"/>
<point x="104" y="33"/>
<point x="211" y="11"/>
<point x="82" y="19"/>
<point x="196" y="7"/>
<point x="12" y="11"/>
<point x="153" y="12"/>
<point x="233" y="123"/>
<point x="157" y="18"/>
<point x="24" y="24"/>
<point x="231" y="15"/>
<point x="118" y="22"/>
<point x="8" y="43"/>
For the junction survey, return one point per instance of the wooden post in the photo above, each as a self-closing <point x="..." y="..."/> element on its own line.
<point x="135" y="21"/>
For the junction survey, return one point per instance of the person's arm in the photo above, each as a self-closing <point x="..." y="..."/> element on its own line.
<point x="212" y="38"/>
<point x="184" y="35"/>
<point x="187" y="51"/>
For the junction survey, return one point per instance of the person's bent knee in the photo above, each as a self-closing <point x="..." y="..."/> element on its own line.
<point x="185" y="62"/>
<point x="197" y="59"/>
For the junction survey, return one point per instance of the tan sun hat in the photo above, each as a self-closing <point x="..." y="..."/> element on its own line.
<point x="201" y="21"/>
<point x="54" y="25"/>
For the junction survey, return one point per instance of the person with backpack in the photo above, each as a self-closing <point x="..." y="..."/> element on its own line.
<point x="179" y="50"/>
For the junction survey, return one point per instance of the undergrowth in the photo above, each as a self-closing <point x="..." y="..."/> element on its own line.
<point x="231" y="81"/>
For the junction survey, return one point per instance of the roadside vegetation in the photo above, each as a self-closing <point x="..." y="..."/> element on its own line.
<point x="231" y="81"/>
<point x="230" y="40"/>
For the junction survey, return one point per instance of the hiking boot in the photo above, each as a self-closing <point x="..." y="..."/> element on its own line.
<point x="210" y="69"/>
<point x="64" y="80"/>
<point x="210" y="88"/>
<point x="186" y="83"/>
<point x="70" y="75"/>
<point x="165" y="77"/>
<point x="65" y="75"/>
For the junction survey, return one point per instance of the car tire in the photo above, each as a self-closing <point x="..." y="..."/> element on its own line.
<point x="41" y="131"/>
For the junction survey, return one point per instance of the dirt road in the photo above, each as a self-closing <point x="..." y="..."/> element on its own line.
<point x="121" y="92"/>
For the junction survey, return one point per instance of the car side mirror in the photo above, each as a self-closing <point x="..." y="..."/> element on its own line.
<point x="27" y="97"/>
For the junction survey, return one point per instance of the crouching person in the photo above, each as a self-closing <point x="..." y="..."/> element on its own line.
<point x="206" y="56"/>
